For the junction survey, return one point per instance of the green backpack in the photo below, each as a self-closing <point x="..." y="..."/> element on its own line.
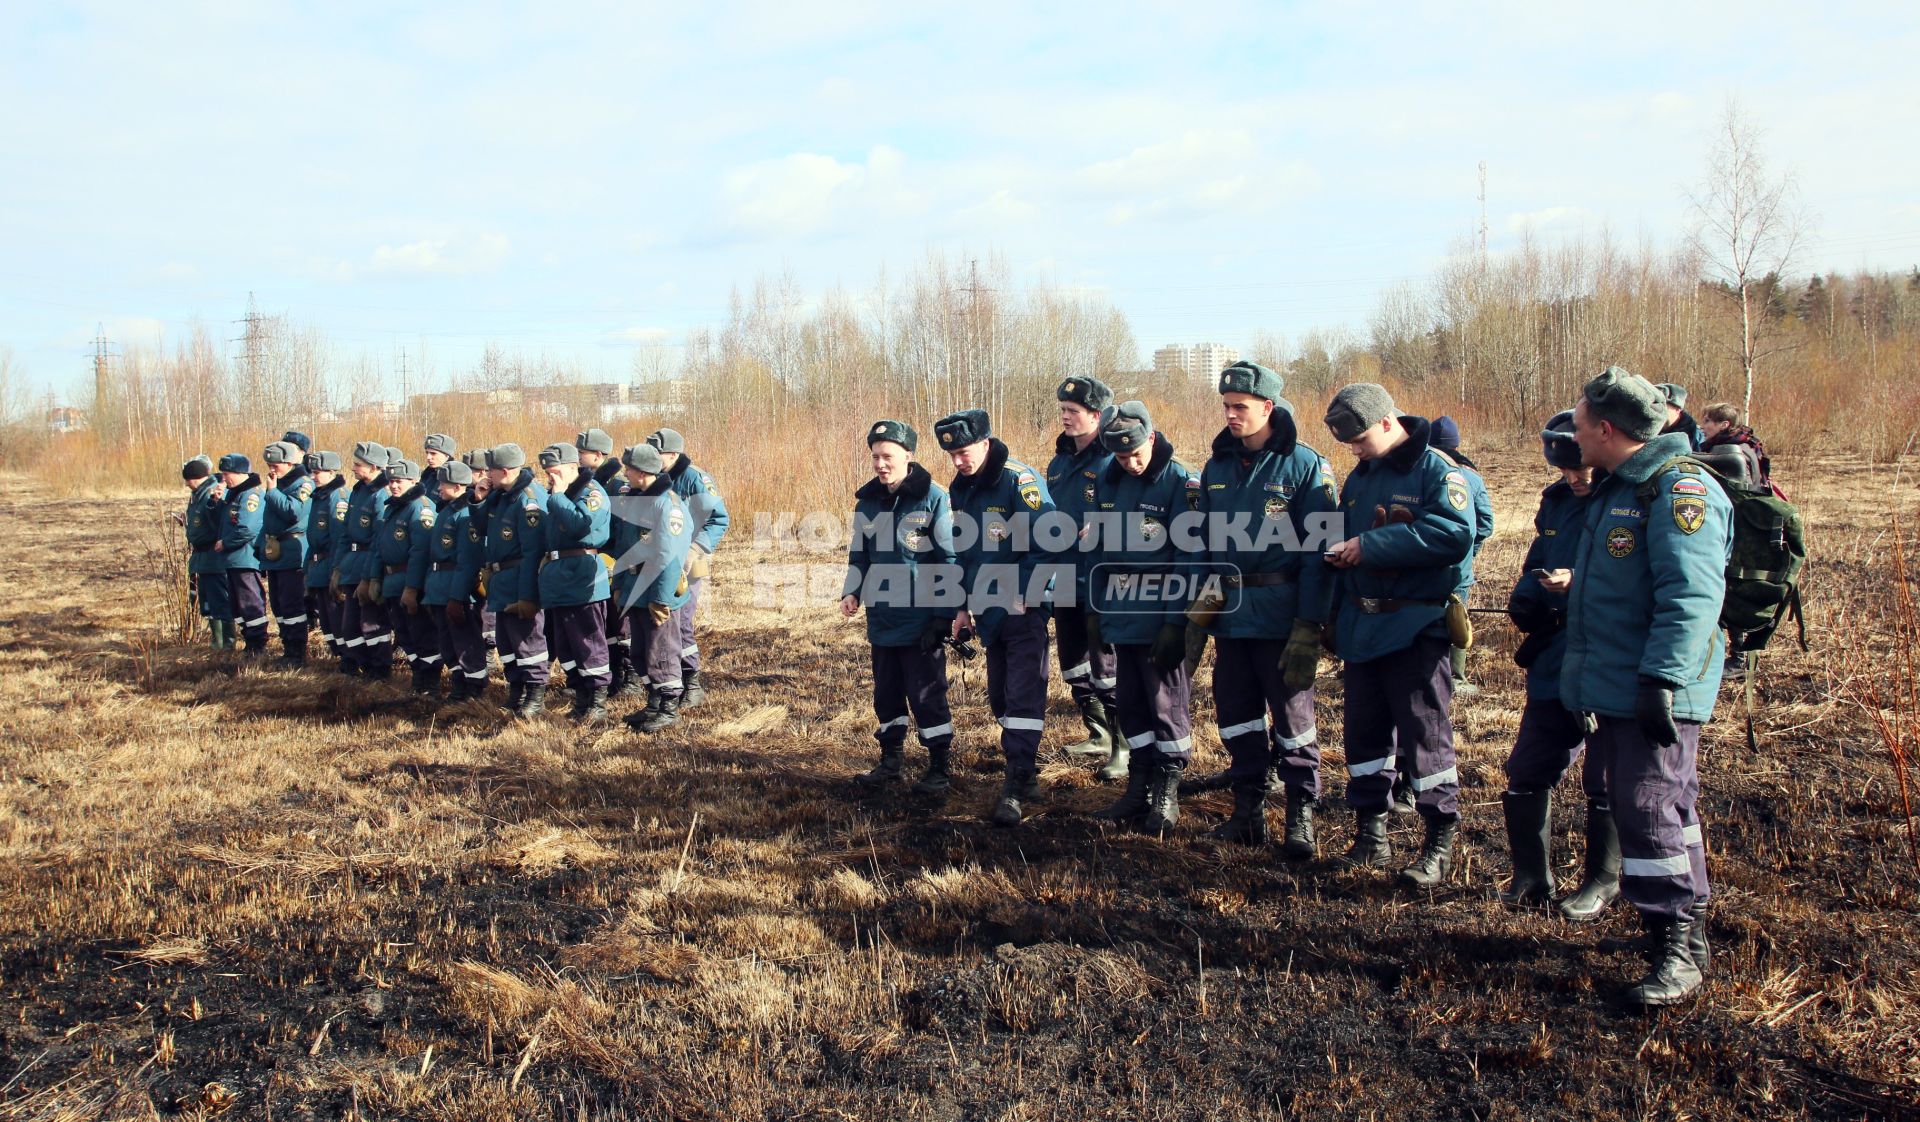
<point x="1769" y="549"/>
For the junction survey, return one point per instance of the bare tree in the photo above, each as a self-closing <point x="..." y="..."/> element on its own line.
<point x="1747" y="226"/>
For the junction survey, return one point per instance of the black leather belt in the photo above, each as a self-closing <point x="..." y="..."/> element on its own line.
<point x="444" y="566"/>
<point x="1259" y="580"/>
<point x="503" y="566"/>
<point x="1381" y="605"/>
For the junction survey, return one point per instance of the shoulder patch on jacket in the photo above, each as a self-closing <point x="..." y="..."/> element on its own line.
<point x="305" y="491"/>
<point x="1030" y="494"/>
<point x="1689" y="514"/>
<point x="1458" y="497"/>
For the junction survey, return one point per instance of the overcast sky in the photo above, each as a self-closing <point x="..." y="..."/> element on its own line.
<point x="587" y="180"/>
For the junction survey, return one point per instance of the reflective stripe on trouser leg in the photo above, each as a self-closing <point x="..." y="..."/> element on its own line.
<point x="249" y="595"/>
<point x="1087" y="670"/>
<point x="1549" y="740"/>
<point x="580" y="639"/>
<point x="657" y="647"/>
<point x="523" y="649"/>
<point x="1402" y="698"/>
<point x="926" y="687"/>
<point x="1649" y="784"/>
<point x="1152" y="704"/>
<point x="1017" y="686"/>
<point x="376" y="637"/>
<point x="889" y="696"/>
<point x="287" y="595"/>
<point x="460" y="645"/>
<point x="1264" y="721"/>
<point x="689" y="646"/>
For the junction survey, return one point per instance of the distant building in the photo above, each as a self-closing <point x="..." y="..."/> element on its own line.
<point x="1200" y="362"/>
<point x="65" y="418"/>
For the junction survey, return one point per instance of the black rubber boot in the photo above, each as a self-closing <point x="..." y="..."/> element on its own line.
<point x="662" y="711"/>
<point x="1248" y="823"/>
<point x="515" y="691"/>
<point x="1675" y="975"/>
<point x="1163" y="797"/>
<point x="1100" y="740"/>
<point x="533" y="702"/>
<point x="589" y="705"/>
<point x="1404" y="800"/>
<point x="1128" y="809"/>
<point x="1601" y="885"/>
<point x="1647" y="946"/>
<point x="692" y="691"/>
<point x="1370" y="848"/>
<point x="1529" y="835"/>
<point x="1299" y="844"/>
<point x="461" y="690"/>
<point x="626" y="683"/>
<point x="892" y="765"/>
<point x="1436" y="853"/>
<point x="935" y="781"/>
<point x="295" y="656"/>
<point x="1118" y="765"/>
<point x="426" y="681"/>
<point x="1019" y="788"/>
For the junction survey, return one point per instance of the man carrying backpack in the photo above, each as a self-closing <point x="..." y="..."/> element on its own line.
<point x="1643" y="657"/>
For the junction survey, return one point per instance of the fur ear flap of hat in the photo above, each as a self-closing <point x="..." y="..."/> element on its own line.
<point x="554" y="455"/>
<point x="405" y="469"/>
<point x="1129" y="429"/>
<point x="298" y="439"/>
<point x="323" y="461"/>
<point x="668" y="440"/>
<point x="1357" y="408"/>
<point x="235" y="461"/>
<point x="1252" y="378"/>
<point x="644" y="457"/>
<point x="453" y="471"/>
<point x="899" y="432"/>
<point x="506" y="456"/>
<point x="968" y="426"/>
<point x="1088" y="393"/>
<point x="594" y="440"/>
<point x="1557" y="443"/>
<point x="1628" y="402"/>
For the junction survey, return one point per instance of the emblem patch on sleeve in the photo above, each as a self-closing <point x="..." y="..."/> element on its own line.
<point x="1689" y="514"/>
<point x="253" y="503"/>
<point x="1457" y="495"/>
<point x="1620" y="541"/>
<point x="1030" y="494"/>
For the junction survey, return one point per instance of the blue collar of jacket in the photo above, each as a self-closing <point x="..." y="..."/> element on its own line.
<point x="1156" y="463"/>
<point x="247" y="484"/>
<point x="1064" y="445"/>
<point x="329" y="487"/>
<point x="407" y="496"/>
<point x="200" y="489"/>
<point x="581" y="481"/>
<point x="662" y="483"/>
<point x="1282" y="435"/>
<point x="680" y="467"/>
<point x="605" y="473"/>
<point x="913" y="488"/>
<point x="377" y="483"/>
<point x="520" y="484"/>
<point x="988" y="474"/>
<point x="1639" y="467"/>
<point x="1402" y="456"/>
<point x="286" y="482"/>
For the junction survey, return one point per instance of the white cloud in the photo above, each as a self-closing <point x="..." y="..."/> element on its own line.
<point x="1204" y="171"/>
<point x="1551" y="218"/>
<point x="1172" y="164"/>
<point x="807" y="193"/>
<point x="441" y="256"/>
<point x="637" y="336"/>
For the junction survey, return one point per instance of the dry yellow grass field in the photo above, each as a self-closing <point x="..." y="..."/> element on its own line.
<point x="247" y="892"/>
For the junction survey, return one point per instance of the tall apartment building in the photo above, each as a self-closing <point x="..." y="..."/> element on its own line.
<point x="1202" y="361"/>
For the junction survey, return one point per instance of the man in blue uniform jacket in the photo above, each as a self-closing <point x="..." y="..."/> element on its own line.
<point x="326" y="526"/>
<point x="366" y="640"/>
<point x="997" y="505"/>
<point x="453" y="565"/>
<point x="516" y="539"/>
<point x="1645" y="655"/>
<point x="283" y="552"/>
<point x="652" y="536"/>
<point x="239" y="543"/>
<point x="573" y="579"/>
<point x="902" y="525"/>
<point x="401" y="539"/>
<point x="710" y="525"/>
<point x="1409" y="512"/>
<point x="206" y="565"/>
<point x="1079" y="459"/>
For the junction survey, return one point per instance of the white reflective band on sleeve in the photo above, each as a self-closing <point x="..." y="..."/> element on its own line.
<point x="1140" y="741"/>
<point x="595" y="671"/>
<point x="1692" y="835"/>
<point x="1075" y="673"/>
<point x="289" y="621"/>
<point x="1292" y="742"/>
<point x="1104" y="683"/>
<point x="1370" y="767"/>
<point x="1258" y="724"/>
<point x="1023" y="724"/>
<point x="896" y="723"/>
<point x="936" y="732"/>
<point x="1184" y="744"/>
<point x="1656" y="866"/>
<point x="1429" y="782"/>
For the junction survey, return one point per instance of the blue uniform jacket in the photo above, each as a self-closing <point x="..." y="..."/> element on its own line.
<point x="1482" y="513"/>
<point x="447" y="547"/>
<point x="652" y="533"/>
<point x="897" y="534"/>
<point x="995" y="556"/>
<point x="240" y="534"/>
<point x="326" y="520"/>
<point x="577" y="518"/>
<point x="285" y="520"/>
<point x="1413" y="513"/>
<point x="611" y="477"/>
<point x="1073" y="475"/>
<point x="203" y="529"/>
<point x="1556" y="545"/>
<point x="1138" y="543"/>
<point x="1647" y="586"/>
<point x="1285" y="479"/>
<point x="353" y="557"/>
<point x="405" y="532"/>
<point x="703" y="499"/>
<point x="516" y="537"/>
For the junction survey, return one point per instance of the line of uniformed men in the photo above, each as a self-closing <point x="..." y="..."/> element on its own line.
<point x="455" y="556"/>
<point x="1620" y="604"/>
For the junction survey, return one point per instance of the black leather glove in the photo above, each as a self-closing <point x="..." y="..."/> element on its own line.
<point x="1169" y="647"/>
<point x="1532" y="647"/>
<point x="1653" y="711"/>
<point x="935" y="634"/>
